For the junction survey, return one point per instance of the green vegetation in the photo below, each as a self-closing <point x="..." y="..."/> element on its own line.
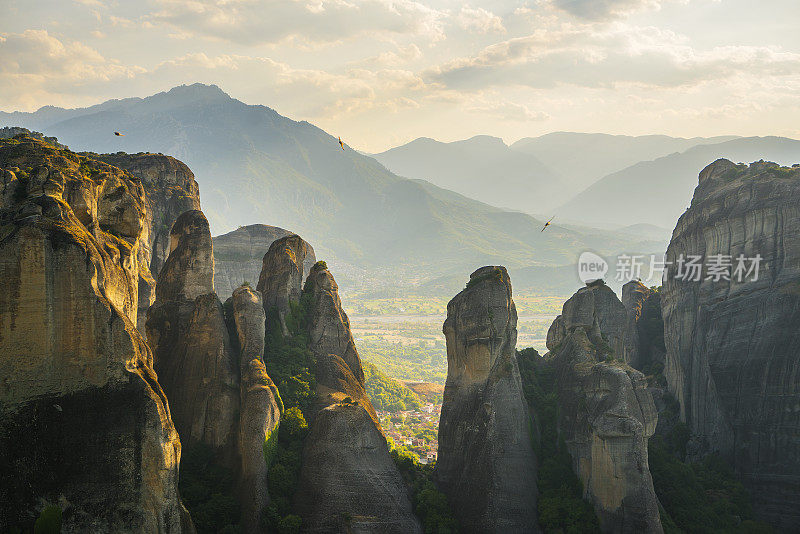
<point x="207" y="490"/>
<point x="388" y="394"/>
<point x="49" y="521"/>
<point x="430" y="505"/>
<point x="703" y="497"/>
<point x="495" y="273"/>
<point x="290" y="364"/>
<point x="561" y="504"/>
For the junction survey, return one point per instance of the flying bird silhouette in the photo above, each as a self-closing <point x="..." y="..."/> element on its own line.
<point x="118" y="134"/>
<point x="547" y="223"/>
<point x="341" y="144"/>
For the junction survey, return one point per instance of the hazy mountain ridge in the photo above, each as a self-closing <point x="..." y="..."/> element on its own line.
<point x="482" y="167"/>
<point x="658" y="191"/>
<point x="601" y="154"/>
<point x="256" y="166"/>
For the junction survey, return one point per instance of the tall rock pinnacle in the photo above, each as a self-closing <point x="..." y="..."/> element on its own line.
<point x="486" y="464"/>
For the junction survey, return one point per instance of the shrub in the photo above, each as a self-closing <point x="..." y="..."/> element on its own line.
<point x="49" y="521"/>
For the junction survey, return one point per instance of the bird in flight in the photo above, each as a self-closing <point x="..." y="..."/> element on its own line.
<point x="341" y="144"/>
<point x="548" y="223"/>
<point x="118" y="134"/>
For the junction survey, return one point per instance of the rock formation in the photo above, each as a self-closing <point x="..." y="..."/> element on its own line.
<point x="170" y="190"/>
<point x="212" y="370"/>
<point x="260" y="409"/>
<point x="348" y="481"/>
<point x="486" y="464"/>
<point x="732" y="342"/>
<point x="239" y="256"/>
<point x="85" y="423"/>
<point x="191" y="346"/>
<point x="606" y="414"/>
<point x="281" y="276"/>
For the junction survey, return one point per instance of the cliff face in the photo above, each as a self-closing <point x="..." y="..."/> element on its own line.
<point x="170" y="190"/>
<point x="260" y="409"/>
<point x="281" y="276"/>
<point x="732" y="345"/>
<point x="606" y="414"/>
<point x="486" y="464"/>
<point x="191" y="346"/>
<point x="213" y="372"/>
<point x="74" y="366"/>
<point x="348" y="481"/>
<point x="239" y="256"/>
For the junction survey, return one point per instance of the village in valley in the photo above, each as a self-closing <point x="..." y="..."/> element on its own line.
<point x="415" y="430"/>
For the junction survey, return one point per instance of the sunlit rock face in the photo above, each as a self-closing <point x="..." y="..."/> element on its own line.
<point x="281" y="278"/>
<point x="85" y="423"/>
<point x="732" y="345"/>
<point x="348" y="481"/>
<point x="170" y="190"/>
<point x="606" y="414"/>
<point x="239" y="256"/>
<point x="486" y="464"/>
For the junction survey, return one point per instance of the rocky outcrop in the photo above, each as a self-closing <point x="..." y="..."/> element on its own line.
<point x="170" y="190"/>
<point x="260" y="408"/>
<point x="348" y="481"/>
<point x="85" y="424"/>
<point x="281" y="277"/>
<point x="606" y="414"/>
<point x="486" y="464"/>
<point x="732" y="341"/>
<point x="645" y="327"/>
<point x="191" y="346"/>
<point x="239" y="256"/>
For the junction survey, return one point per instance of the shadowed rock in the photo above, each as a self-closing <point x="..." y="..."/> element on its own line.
<point x="348" y="481"/>
<point x="281" y="278"/>
<point x="486" y="464"/>
<point x="260" y="407"/>
<point x="84" y="424"/>
<point x="606" y="414"/>
<point x="733" y="344"/>
<point x="191" y="346"/>
<point x="239" y="256"/>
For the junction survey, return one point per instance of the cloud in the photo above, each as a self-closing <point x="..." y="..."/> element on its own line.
<point x="604" y="9"/>
<point x="508" y="111"/>
<point x="35" y="53"/>
<point x="616" y="56"/>
<point x="478" y="20"/>
<point x="253" y="22"/>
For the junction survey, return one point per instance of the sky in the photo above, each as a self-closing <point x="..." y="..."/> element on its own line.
<point x="380" y="73"/>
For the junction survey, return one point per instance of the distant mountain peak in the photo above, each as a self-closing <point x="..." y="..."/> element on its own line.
<point x="195" y="91"/>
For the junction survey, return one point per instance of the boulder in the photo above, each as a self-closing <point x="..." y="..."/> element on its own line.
<point x="348" y="480"/>
<point x="281" y="278"/>
<point x="606" y="414"/>
<point x="239" y="256"/>
<point x="486" y="464"/>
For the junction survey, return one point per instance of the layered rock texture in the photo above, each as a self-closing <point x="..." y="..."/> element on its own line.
<point x="733" y="344"/>
<point x="281" y="276"/>
<point x="215" y="379"/>
<point x="170" y="190"/>
<point x="259" y="409"/>
<point x="239" y="256"/>
<point x="191" y="346"/>
<point x="486" y="464"/>
<point x="348" y="481"/>
<point x="85" y="423"/>
<point x="606" y="414"/>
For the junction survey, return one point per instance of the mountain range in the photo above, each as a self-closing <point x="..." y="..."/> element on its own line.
<point x="254" y="165"/>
